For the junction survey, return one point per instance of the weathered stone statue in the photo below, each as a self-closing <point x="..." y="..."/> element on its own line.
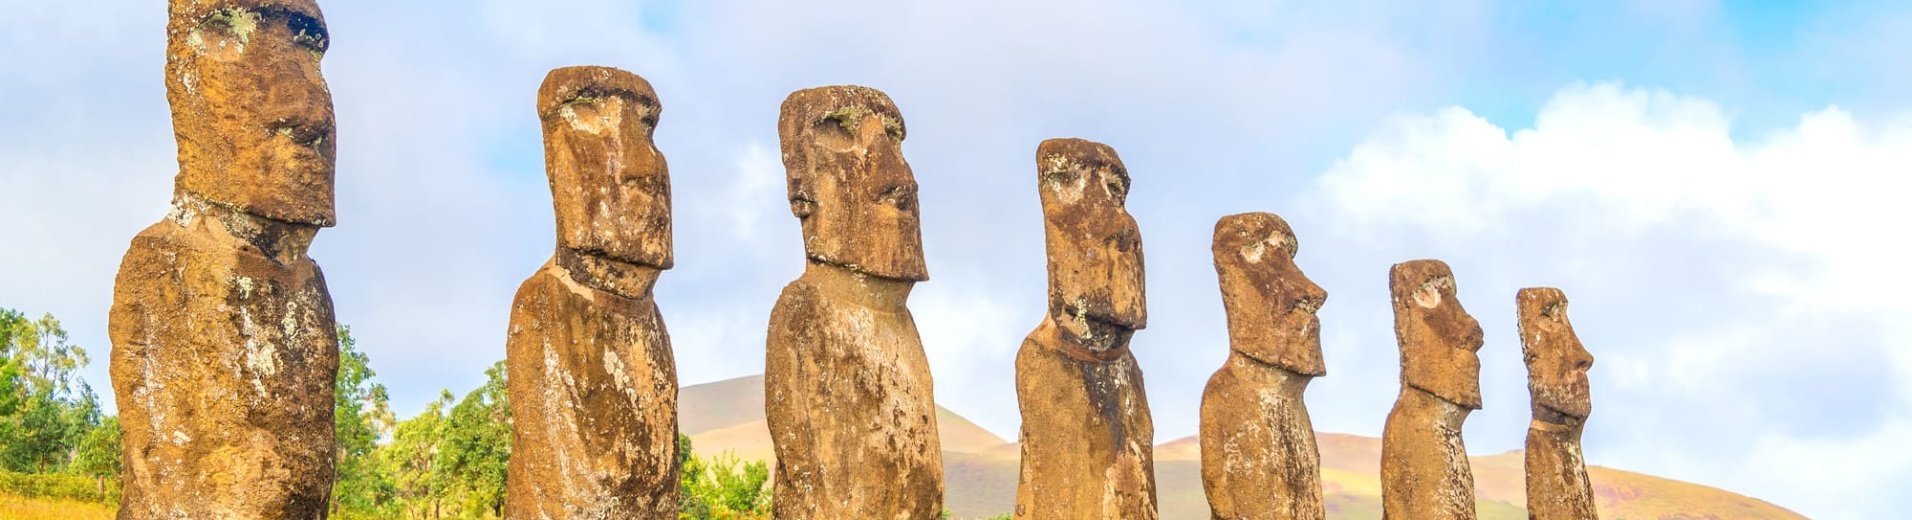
<point x="847" y="390"/>
<point x="1087" y="439"/>
<point x="1424" y="469"/>
<point x="1557" y="485"/>
<point x="592" y="383"/>
<point x="1259" y="459"/>
<point x="224" y="345"/>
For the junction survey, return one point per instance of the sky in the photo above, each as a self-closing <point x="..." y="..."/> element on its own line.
<point x="1717" y="188"/>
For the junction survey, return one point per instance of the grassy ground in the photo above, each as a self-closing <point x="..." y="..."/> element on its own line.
<point x="16" y="508"/>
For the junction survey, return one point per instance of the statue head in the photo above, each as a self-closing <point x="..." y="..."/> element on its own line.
<point x="1557" y="363"/>
<point x="848" y="182"/>
<point x="1095" y="249"/>
<point x="1438" y="339"/>
<point x="251" y="113"/>
<point x="609" y="184"/>
<point x="1270" y="304"/>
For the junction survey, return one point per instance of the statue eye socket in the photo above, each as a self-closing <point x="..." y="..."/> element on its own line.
<point x="1117" y="184"/>
<point x="902" y="197"/>
<point x="308" y="32"/>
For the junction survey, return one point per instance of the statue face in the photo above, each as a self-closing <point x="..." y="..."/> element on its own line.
<point x="1438" y="338"/>
<point x="1095" y="249"/>
<point x="848" y="182"/>
<point x="1557" y="363"/>
<point x="1271" y="304"/>
<point x="609" y="183"/>
<point x="251" y="112"/>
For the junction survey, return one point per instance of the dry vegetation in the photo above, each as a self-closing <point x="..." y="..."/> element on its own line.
<point x="16" y="508"/>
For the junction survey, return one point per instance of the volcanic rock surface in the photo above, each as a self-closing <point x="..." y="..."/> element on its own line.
<point x="224" y="345"/>
<point x="592" y="382"/>
<point x="1087" y="438"/>
<point x="1558" y="487"/>
<point x="1259" y="459"/>
<point x="1424" y="467"/>
<point x="848" y="397"/>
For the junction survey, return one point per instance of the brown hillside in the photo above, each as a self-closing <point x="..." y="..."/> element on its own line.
<point x="728" y="415"/>
<point x="980" y="469"/>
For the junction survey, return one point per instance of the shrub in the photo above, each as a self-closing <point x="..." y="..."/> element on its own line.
<point x="59" y="486"/>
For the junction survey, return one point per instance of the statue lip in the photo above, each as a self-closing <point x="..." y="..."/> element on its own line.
<point x="601" y="255"/>
<point x="1114" y="322"/>
<point x="1558" y="416"/>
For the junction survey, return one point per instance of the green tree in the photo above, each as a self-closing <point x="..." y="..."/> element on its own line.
<point x="99" y="453"/>
<point x="718" y="488"/>
<point x="410" y="460"/>
<point x="12" y="324"/>
<point x="50" y="409"/>
<point x="476" y="446"/>
<point x="362" y="414"/>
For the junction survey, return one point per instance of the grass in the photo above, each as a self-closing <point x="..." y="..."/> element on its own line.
<point x="17" y="508"/>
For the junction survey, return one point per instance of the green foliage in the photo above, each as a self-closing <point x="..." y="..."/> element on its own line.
<point x="719" y="489"/>
<point x="99" y="453"/>
<point x="12" y="325"/>
<point x="46" y="410"/>
<point x="409" y="461"/>
<point x="59" y="486"/>
<point x="476" y="443"/>
<point x="362" y="414"/>
<point x="446" y="462"/>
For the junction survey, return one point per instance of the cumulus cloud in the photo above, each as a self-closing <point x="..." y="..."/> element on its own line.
<point x="1738" y="291"/>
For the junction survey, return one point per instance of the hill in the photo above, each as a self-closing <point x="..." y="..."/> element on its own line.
<point x="981" y="468"/>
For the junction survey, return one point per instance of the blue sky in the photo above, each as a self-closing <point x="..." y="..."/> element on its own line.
<point x="1714" y="185"/>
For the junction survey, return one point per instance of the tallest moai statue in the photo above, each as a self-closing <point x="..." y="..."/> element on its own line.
<point x="1087" y="439"/>
<point x="224" y="345"/>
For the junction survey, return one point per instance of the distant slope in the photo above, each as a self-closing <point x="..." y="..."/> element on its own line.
<point x="728" y="415"/>
<point x="709" y="406"/>
<point x="980" y="469"/>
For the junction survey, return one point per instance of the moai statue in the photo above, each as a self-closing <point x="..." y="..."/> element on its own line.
<point x="224" y="344"/>
<point x="1087" y="439"/>
<point x="847" y="390"/>
<point x="592" y="383"/>
<point x="1259" y="459"/>
<point x="1424" y="469"/>
<point x="1557" y="485"/>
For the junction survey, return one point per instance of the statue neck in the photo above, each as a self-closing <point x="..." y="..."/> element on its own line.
<point x="859" y="288"/>
<point x="283" y="242"/>
<point x="1447" y="412"/>
<point x="1084" y="340"/>
<point x="1283" y="378"/>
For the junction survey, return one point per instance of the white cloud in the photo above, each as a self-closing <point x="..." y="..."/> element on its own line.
<point x="1791" y="313"/>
